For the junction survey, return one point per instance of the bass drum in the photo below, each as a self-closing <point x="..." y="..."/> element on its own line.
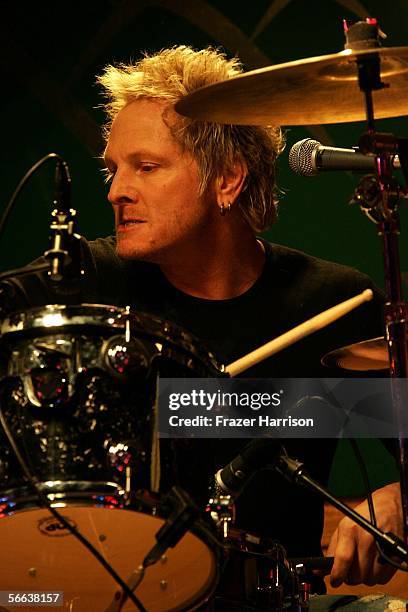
<point x="79" y="398"/>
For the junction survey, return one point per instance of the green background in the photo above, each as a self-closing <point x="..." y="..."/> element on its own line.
<point x="51" y="53"/>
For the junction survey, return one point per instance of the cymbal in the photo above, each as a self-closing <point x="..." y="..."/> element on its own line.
<point x="367" y="355"/>
<point x="311" y="91"/>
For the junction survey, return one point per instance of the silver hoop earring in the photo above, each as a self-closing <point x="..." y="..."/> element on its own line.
<point x="225" y="209"/>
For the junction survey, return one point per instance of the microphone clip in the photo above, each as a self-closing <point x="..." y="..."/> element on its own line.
<point x="64" y="254"/>
<point x="184" y="514"/>
<point x="221" y="509"/>
<point x="64" y="242"/>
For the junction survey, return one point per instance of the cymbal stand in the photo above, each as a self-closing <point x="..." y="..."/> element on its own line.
<point x="378" y="197"/>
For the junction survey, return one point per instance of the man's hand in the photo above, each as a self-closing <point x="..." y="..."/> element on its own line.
<point x="354" y="550"/>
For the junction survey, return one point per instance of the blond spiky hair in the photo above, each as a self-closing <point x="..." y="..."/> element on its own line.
<point x="173" y="73"/>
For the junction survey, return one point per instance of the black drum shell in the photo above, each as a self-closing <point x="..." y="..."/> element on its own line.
<point x="76" y="437"/>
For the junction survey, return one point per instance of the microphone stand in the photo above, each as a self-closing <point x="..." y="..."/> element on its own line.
<point x="378" y="198"/>
<point x="293" y="471"/>
<point x="63" y="258"/>
<point x="64" y="254"/>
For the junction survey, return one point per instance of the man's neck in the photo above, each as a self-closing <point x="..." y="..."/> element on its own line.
<point x="219" y="270"/>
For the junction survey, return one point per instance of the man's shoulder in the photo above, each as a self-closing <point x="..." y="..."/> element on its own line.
<point x="303" y="267"/>
<point x="104" y="248"/>
<point x="304" y="285"/>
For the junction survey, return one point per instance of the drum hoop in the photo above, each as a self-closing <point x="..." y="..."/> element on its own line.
<point x="98" y="319"/>
<point x="73" y="491"/>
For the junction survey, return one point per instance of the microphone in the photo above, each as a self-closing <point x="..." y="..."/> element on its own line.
<point x="259" y="453"/>
<point x="62" y="195"/>
<point x="309" y="157"/>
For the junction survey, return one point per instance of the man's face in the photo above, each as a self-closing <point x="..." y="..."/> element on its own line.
<point x="154" y="187"/>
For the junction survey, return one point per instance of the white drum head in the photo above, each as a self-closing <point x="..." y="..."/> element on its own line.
<point x="40" y="555"/>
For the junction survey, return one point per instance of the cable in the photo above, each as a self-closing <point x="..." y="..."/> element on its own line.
<point x="31" y="171"/>
<point x="366" y="479"/>
<point x="369" y="495"/>
<point x="44" y="500"/>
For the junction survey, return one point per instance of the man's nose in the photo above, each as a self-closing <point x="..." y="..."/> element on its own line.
<point x="121" y="191"/>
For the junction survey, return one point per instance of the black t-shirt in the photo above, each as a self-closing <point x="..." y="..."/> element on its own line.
<point x="293" y="287"/>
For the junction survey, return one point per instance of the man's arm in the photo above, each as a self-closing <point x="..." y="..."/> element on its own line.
<point x="354" y="550"/>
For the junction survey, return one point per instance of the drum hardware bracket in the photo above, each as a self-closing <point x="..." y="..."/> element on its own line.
<point x="133" y="582"/>
<point x="221" y="509"/>
<point x="185" y="513"/>
<point x="126" y="356"/>
<point x="64" y="251"/>
<point x="274" y="597"/>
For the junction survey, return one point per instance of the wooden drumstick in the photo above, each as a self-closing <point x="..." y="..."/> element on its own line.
<point x="297" y="333"/>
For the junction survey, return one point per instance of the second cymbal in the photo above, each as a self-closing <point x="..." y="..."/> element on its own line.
<point x="362" y="356"/>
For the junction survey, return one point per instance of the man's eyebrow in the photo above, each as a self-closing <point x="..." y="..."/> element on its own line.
<point x="135" y="157"/>
<point x="145" y="154"/>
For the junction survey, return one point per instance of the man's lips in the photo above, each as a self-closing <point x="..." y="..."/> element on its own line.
<point x="128" y="224"/>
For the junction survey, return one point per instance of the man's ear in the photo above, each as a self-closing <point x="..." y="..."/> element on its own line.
<point x="230" y="183"/>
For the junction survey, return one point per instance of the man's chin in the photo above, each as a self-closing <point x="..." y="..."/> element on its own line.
<point x="132" y="254"/>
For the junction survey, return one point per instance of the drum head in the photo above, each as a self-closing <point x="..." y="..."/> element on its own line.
<point x="43" y="556"/>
